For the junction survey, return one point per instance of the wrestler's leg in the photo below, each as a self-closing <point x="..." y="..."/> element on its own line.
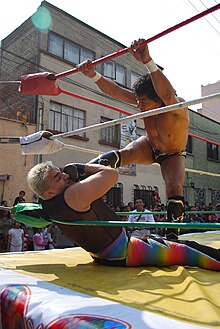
<point x="167" y="253"/>
<point x="212" y="252"/>
<point x="173" y="172"/>
<point x="138" y="151"/>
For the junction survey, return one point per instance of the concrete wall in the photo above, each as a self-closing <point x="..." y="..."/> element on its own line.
<point x="198" y="161"/>
<point x="13" y="163"/>
<point x="211" y="109"/>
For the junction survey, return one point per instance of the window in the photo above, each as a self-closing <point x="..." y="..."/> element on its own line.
<point x="145" y="194"/>
<point x="115" y="195"/>
<point x="86" y="54"/>
<point x="114" y="71"/>
<point x="71" y="52"/>
<point x="68" y="50"/>
<point x="120" y="74"/>
<point x="212" y="151"/>
<point x="110" y="135"/>
<point x="55" y="45"/>
<point x="65" y="118"/>
<point x="134" y="78"/>
<point x="189" y="145"/>
<point x="109" y="69"/>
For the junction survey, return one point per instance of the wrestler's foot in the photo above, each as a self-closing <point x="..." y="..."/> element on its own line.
<point x="175" y="214"/>
<point x="172" y="234"/>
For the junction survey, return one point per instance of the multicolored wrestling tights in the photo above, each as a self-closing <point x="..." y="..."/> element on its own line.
<point x="160" y="252"/>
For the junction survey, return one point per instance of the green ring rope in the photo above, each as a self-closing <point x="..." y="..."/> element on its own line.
<point x="164" y="212"/>
<point x="30" y="214"/>
<point x="215" y="226"/>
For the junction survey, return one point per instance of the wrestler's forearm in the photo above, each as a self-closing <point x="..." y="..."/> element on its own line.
<point x="111" y="88"/>
<point x="163" y="88"/>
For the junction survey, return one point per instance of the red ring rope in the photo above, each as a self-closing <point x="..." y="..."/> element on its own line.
<point x="157" y="36"/>
<point x="123" y="111"/>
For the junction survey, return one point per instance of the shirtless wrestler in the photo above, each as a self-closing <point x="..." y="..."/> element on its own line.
<point x="167" y="133"/>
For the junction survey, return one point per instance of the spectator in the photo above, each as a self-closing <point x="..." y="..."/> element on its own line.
<point x="122" y="208"/>
<point x="130" y="204"/>
<point x="49" y="244"/>
<point x="128" y="208"/>
<point x="5" y="225"/>
<point x="38" y="239"/>
<point x="192" y="218"/>
<point x="195" y="218"/>
<point x="156" y="198"/>
<point x="197" y="206"/>
<point x="26" y="238"/>
<point x="187" y="207"/>
<point x="15" y="238"/>
<point x="140" y="232"/>
<point x="2" y="249"/>
<point x="215" y="218"/>
<point x="160" y="218"/>
<point x="60" y="240"/>
<point x="217" y="208"/>
<point x="20" y="198"/>
<point x="210" y="206"/>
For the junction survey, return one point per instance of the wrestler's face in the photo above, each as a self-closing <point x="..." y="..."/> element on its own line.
<point x="146" y="104"/>
<point x="58" y="182"/>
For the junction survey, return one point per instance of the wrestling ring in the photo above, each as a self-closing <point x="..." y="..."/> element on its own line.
<point x="65" y="289"/>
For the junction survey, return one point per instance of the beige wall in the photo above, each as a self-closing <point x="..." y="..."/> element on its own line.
<point x="12" y="161"/>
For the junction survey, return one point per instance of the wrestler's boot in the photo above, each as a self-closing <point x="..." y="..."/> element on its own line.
<point x="175" y="214"/>
<point x="76" y="171"/>
<point x="111" y="158"/>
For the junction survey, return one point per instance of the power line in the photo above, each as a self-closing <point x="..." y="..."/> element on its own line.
<point x="207" y="21"/>
<point x="211" y="13"/>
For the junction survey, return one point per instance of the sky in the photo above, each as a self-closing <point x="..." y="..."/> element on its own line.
<point x="190" y="55"/>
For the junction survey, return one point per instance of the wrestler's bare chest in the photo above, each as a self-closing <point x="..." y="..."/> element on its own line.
<point x="167" y="132"/>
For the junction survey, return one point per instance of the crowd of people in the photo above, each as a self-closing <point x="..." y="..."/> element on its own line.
<point x="15" y="237"/>
<point x="192" y="214"/>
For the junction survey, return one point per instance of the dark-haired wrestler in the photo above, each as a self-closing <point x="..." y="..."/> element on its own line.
<point x="167" y="133"/>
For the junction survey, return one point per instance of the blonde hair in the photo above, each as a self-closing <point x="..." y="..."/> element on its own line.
<point x="37" y="178"/>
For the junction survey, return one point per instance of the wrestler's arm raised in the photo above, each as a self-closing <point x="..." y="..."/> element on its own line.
<point x="161" y="84"/>
<point x="106" y="85"/>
